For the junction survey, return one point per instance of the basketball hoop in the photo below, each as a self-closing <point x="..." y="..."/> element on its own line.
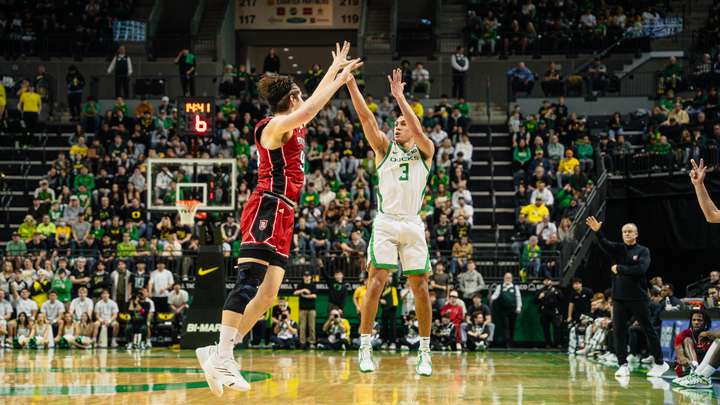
<point x="187" y="210"/>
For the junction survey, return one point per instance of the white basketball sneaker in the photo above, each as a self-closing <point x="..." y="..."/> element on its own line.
<point x="366" y="363"/>
<point x="623" y="371"/>
<point x="658" y="370"/>
<point x="424" y="364"/>
<point x="696" y="381"/>
<point x="226" y="371"/>
<point x="202" y="354"/>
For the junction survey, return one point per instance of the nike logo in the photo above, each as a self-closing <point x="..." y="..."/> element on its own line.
<point x="202" y="272"/>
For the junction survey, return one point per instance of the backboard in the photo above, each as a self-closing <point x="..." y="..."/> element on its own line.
<point x="210" y="181"/>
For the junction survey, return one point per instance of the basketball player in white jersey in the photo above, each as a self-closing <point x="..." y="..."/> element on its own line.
<point x="403" y="169"/>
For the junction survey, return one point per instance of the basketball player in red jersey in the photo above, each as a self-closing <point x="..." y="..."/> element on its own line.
<point x="689" y="351"/>
<point x="268" y="219"/>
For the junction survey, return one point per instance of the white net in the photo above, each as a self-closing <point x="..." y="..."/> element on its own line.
<point x="187" y="210"/>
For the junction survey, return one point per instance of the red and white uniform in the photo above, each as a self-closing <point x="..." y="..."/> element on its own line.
<point x="267" y="221"/>
<point x="700" y="350"/>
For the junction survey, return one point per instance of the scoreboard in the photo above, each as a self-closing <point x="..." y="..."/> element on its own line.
<point x="196" y="116"/>
<point x="297" y="14"/>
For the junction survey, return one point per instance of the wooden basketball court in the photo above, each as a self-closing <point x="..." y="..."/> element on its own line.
<point x="166" y="377"/>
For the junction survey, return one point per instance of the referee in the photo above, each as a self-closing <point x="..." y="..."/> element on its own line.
<point x="629" y="294"/>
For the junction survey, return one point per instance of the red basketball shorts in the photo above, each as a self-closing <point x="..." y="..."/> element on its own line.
<point x="267" y="223"/>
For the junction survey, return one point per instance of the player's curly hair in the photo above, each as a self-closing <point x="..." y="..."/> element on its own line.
<point x="277" y="90"/>
<point x="705" y="315"/>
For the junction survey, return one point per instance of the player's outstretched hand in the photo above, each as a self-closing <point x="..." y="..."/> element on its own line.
<point x="340" y="56"/>
<point x="697" y="174"/>
<point x="396" y="83"/>
<point x="593" y="223"/>
<point x="352" y="65"/>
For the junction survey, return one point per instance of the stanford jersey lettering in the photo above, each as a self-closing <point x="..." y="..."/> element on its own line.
<point x="282" y="170"/>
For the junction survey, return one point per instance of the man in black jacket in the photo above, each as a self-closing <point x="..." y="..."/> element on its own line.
<point x="337" y="290"/>
<point x="635" y="331"/>
<point x="548" y="300"/>
<point x="629" y="294"/>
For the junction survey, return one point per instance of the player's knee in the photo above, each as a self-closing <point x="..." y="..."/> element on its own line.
<point x="375" y="283"/>
<point x="250" y="276"/>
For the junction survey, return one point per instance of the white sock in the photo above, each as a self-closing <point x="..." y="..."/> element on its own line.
<point x="700" y="370"/>
<point x="707" y="371"/>
<point x="424" y="343"/>
<point x="227" y="342"/>
<point x="365" y="339"/>
<point x="238" y="338"/>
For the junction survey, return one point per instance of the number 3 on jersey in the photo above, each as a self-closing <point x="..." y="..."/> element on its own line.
<point x="404" y="176"/>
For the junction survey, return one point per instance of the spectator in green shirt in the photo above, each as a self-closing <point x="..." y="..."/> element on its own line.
<point x="429" y="120"/>
<point x="672" y="75"/>
<point x="462" y="106"/>
<point x="62" y="285"/>
<point x="133" y="231"/>
<point x="125" y="248"/>
<point x="521" y="156"/>
<point x="84" y="196"/>
<point x="310" y="195"/>
<point x="241" y="146"/>
<point x="698" y="103"/>
<point x="585" y="154"/>
<point x="439" y="178"/>
<point x="226" y="107"/>
<point x="84" y="179"/>
<point x="531" y="126"/>
<point x="668" y="103"/>
<point x="97" y="230"/>
<point x="15" y="248"/>
<point x="663" y="147"/>
<point x="91" y="113"/>
<point x="564" y="196"/>
<point x="121" y="106"/>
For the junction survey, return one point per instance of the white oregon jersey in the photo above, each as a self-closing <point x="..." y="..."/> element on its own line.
<point x="402" y="179"/>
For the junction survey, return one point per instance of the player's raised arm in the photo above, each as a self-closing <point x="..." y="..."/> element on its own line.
<point x="311" y="107"/>
<point x="377" y="140"/>
<point x="697" y="176"/>
<point x="424" y="144"/>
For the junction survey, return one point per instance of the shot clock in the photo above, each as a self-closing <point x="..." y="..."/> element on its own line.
<point x="196" y="116"/>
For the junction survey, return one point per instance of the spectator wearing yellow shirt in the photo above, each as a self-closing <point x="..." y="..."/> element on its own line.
<point x="417" y="108"/>
<point x="566" y="168"/>
<point x="535" y="212"/>
<point x="680" y="115"/>
<point x="370" y="105"/>
<point x="142" y="108"/>
<point x="359" y="296"/>
<point x="30" y="105"/>
<point x="62" y="230"/>
<point x="80" y="148"/>
<point x="125" y="248"/>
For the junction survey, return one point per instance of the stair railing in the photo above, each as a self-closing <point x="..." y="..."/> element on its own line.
<point x="491" y="162"/>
